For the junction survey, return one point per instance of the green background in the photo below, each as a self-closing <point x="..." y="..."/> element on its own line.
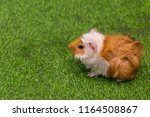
<point x="35" y="62"/>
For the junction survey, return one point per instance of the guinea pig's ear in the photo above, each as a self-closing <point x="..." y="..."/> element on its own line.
<point x="93" y="46"/>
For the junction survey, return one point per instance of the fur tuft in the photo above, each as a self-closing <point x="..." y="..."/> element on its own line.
<point x="123" y="55"/>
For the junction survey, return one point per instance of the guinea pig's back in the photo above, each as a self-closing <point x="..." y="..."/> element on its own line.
<point x="123" y="55"/>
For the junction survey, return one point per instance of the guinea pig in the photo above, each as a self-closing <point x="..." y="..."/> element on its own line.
<point x="112" y="56"/>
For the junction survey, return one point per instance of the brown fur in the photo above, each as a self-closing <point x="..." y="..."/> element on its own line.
<point x="74" y="46"/>
<point x="123" y="55"/>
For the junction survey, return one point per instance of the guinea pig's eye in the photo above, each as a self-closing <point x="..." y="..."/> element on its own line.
<point x="80" y="46"/>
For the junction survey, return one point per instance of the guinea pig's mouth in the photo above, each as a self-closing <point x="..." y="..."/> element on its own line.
<point x="79" y="56"/>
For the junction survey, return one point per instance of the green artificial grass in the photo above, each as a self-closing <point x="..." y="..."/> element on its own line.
<point x="35" y="62"/>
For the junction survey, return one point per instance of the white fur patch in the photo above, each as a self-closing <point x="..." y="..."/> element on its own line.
<point x="94" y="37"/>
<point x="79" y="56"/>
<point x="93" y="60"/>
<point x="97" y="64"/>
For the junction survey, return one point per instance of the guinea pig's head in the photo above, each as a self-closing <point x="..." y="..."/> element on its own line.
<point x="82" y="49"/>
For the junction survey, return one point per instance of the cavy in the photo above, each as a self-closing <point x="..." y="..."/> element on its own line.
<point x="113" y="56"/>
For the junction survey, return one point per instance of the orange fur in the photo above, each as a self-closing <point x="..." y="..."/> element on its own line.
<point x="74" y="46"/>
<point x="123" y="55"/>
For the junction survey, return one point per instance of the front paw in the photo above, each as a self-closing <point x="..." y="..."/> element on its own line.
<point x="92" y="74"/>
